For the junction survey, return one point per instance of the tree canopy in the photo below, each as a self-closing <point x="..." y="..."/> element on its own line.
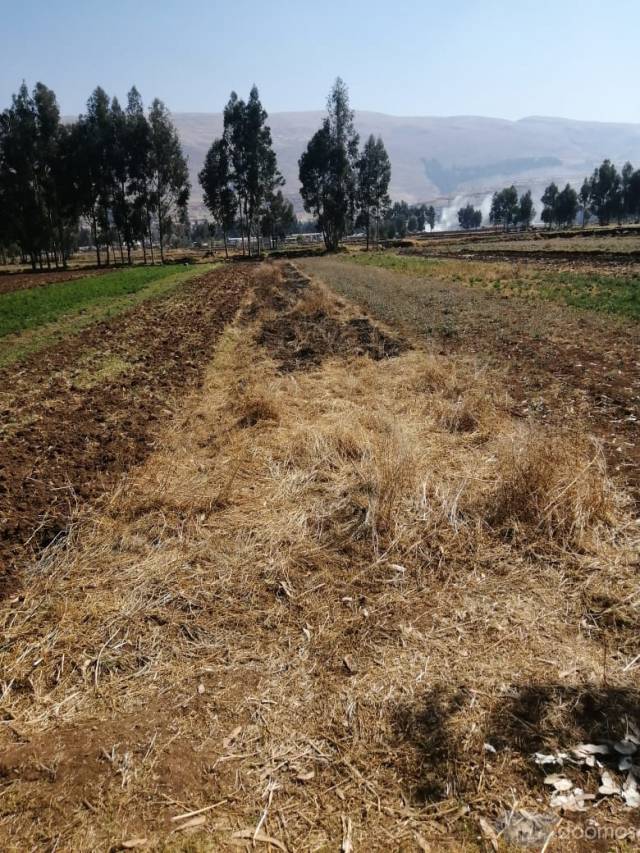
<point x="328" y="169"/>
<point x="469" y="217"/>
<point x="121" y="171"/>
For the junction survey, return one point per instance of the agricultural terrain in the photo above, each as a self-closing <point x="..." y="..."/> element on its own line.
<point x="333" y="555"/>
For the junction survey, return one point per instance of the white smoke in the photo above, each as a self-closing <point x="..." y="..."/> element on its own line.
<point x="448" y="220"/>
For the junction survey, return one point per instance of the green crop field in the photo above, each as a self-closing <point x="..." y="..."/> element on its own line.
<point x="34" y="318"/>
<point x="27" y="309"/>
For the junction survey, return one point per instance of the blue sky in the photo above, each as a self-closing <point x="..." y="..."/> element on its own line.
<point x="573" y="58"/>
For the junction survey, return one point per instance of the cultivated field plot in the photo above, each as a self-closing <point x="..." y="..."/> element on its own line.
<point x="596" y="246"/>
<point x="560" y="366"/>
<point x="357" y="597"/>
<point x="25" y="280"/>
<point x="84" y="386"/>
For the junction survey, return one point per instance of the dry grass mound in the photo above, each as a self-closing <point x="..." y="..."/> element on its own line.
<point x="304" y="618"/>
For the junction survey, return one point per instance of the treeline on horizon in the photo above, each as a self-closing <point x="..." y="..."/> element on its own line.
<point x="120" y="177"/>
<point x="608" y="195"/>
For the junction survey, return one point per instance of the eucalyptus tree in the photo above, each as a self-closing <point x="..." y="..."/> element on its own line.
<point x="278" y="219"/>
<point x="585" y="200"/>
<point x="92" y="138"/>
<point x="262" y="177"/>
<point x="373" y="177"/>
<point x="168" y="174"/>
<point x="469" y="217"/>
<point x="567" y="206"/>
<point x="606" y="193"/>
<point x="328" y="169"/>
<point x="253" y="168"/>
<point x="20" y="181"/>
<point x="504" y="207"/>
<point x="431" y="217"/>
<point x="34" y="176"/>
<point x="139" y="170"/>
<point x="219" y="196"/>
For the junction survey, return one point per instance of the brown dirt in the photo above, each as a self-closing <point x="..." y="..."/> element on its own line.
<point x="64" y="438"/>
<point x="25" y="281"/>
<point x="561" y="365"/>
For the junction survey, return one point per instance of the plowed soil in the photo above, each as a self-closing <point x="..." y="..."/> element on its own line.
<point x="77" y="415"/>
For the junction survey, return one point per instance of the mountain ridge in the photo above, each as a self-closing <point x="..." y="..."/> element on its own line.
<point x="441" y="159"/>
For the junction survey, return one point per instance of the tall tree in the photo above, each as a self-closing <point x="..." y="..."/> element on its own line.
<point x="327" y="169"/>
<point x="606" y="193"/>
<point x="566" y="207"/>
<point x="254" y="174"/>
<point x="504" y="207"/>
<point x="633" y="196"/>
<point x="630" y="187"/>
<point x="21" y="183"/>
<point x="263" y="176"/>
<point x="215" y="180"/>
<point x="585" y="200"/>
<point x="431" y="217"/>
<point x="549" y="201"/>
<point x="278" y="219"/>
<point x="235" y="137"/>
<point x="138" y="135"/>
<point x="469" y="217"/>
<point x="122" y="205"/>
<point x="169" y="176"/>
<point x="374" y="175"/>
<point x="92" y="139"/>
<point x="526" y="210"/>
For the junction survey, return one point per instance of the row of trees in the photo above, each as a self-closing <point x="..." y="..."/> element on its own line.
<point x="609" y="195"/>
<point x="507" y="209"/>
<point x="560" y="207"/>
<point x="122" y="171"/>
<point x="402" y="218"/>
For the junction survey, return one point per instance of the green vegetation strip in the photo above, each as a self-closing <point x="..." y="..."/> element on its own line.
<point x="49" y="316"/>
<point x="27" y="309"/>
<point x="595" y="291"/>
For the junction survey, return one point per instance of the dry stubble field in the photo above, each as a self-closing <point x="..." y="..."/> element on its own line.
<point x="364" y="567"/>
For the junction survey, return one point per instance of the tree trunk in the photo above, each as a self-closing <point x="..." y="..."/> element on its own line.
<point x="226" y="250"/>
<point x="94" y="229"/>
<point x="161" y="235"/>
<point x="153" y="259"/>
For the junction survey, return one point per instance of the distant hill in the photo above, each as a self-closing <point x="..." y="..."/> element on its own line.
<point x="436" y="159"/>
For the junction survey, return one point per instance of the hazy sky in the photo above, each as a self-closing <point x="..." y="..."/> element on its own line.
<point x="506" y="58"/>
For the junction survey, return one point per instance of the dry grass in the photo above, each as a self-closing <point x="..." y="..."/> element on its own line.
<point x="311" y="608"/>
